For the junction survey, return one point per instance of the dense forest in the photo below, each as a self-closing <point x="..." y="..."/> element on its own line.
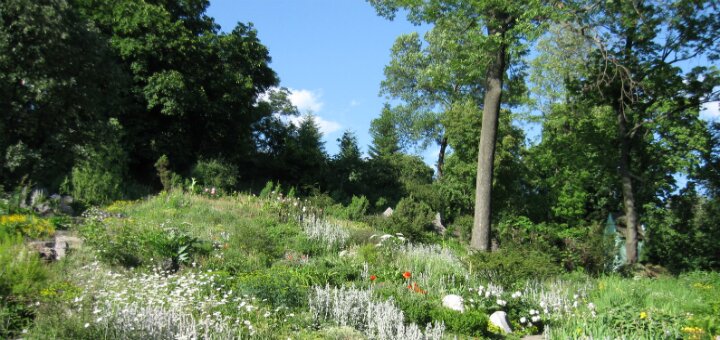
<point x="105" y="100"/>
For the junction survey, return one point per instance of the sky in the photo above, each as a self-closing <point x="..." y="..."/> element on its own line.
<point x="331" y="55"/>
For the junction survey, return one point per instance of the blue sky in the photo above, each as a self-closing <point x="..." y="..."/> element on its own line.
<point x="331" y="53"/>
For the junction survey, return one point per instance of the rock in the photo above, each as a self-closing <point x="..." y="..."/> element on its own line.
<point x="499" y="319"/>
<point x="437" y="223"/>
<point x="66" y="205"/>
<point x="388" y="212"/>
<point x="58" y="247"/>
<point x="65" y="242"/>
<point x="454" y="302"/>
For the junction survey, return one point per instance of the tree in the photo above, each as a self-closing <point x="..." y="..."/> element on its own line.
<point x="634" y="72"/>
<point x="346" y="168"/>
<point x="425" y="77"/>
<point x="59" y="84"/>
<point x="385" y="139"/>
<point x="305" y="158"/>
<point x="497" y="29"/>
<point x="194" y="91"/>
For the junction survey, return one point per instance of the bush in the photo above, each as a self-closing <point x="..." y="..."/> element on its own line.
<point x="25" y="225"/>
<point x="463" y="225"/>
<point x="471" y="322"/>
<point x="357" y="209"/>
<point x="217" y="174"/>
<point x="99" y="174"/>
<point x="411" y="218"/>
<point x="22" y="275"/>
<point x="278" y="285"/>
<point x="509" y="267"/>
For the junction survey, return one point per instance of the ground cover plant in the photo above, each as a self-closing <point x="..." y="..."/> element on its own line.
<point x="195" y="266"/>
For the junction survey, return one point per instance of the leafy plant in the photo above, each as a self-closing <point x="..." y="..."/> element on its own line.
<point x="510" y="266"/>
<point x="216" y="173"/>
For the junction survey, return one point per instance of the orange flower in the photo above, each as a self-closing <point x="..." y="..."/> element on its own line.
<point x="414" y="287"/>
<point x="407" y="275"/>
<point x="373" y="277"/>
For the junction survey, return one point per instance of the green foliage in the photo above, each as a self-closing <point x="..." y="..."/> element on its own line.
<point x="411" y="218"/>
<point x="679" y="236"/>
<point x="513" y="266"/>
<point x="25" y="226"/>
<point x="278" y="285"/>
<point x="99" y="175"/>
<point x="164" y="173"/>
<point x="357" y="208"/>
<point x="132" y="244"/>
<point x="472" y="322"/>
<point x="22" y="275"/>
<point x="385" y="139"/>
<point x="217" y="174"/>
<point x="22" y="271"/>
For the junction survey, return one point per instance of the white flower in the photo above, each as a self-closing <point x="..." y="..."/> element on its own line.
<point x="523" y="320"/>
<point x="516" y="295"/>
<point x="87" y="325"/>
<point x="535" y="318"/>
<point x="591" y="306"/>
<point x="99" y="319"/>
<point x="501" y="302"/>
<point x="266" y="314"/>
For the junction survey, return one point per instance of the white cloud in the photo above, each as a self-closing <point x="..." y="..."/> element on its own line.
<point x="710" y="111"/>
<point x="306" y="100"/>
<point x="325" y="126"/>
<point x="354" y="102"/>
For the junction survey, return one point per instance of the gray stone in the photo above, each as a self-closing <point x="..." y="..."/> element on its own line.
<point x="388" y="212"/>
<point x="65" y="205"/>
<point x="58" y="247"/>
<point x="499" y="319"/>
<point x="437" y="223"/>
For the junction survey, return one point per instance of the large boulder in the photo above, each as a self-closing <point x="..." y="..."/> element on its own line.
<point x="499" y="319"/>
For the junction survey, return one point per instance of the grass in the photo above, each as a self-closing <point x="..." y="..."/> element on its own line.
<point x="184" y="266"/>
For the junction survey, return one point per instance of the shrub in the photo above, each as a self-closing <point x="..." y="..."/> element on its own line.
<point x="98" y="176"/>
<point x="411" y="218"/>
<point x="471" y="322"/>
<point x="26" y="225"/>
<point x="279" y="285"/>
<point x="22" y="275"/>
<point x="511" y="266"/>
<point x="463" y="226"/>
<point x="216" y="173"/>
<point x="357" y="208"/>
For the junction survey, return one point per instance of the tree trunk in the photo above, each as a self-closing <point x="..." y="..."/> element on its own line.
<point x="486" y="153"/>
<point x="631" y="215"/>
<point x="441" y="156"/>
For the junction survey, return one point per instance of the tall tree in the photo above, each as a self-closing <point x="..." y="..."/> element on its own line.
<point x="59" y="84"/>
<point x="194" y="90"/>
<point x="385" y="139"/>
<point x="427" y="81"/>
<point x="498" y="28"/>
<point x="635" y="72"/>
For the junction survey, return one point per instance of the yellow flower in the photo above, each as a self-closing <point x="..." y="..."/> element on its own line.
<point x="693" y="330"/>
<point x="643" y="315"/>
